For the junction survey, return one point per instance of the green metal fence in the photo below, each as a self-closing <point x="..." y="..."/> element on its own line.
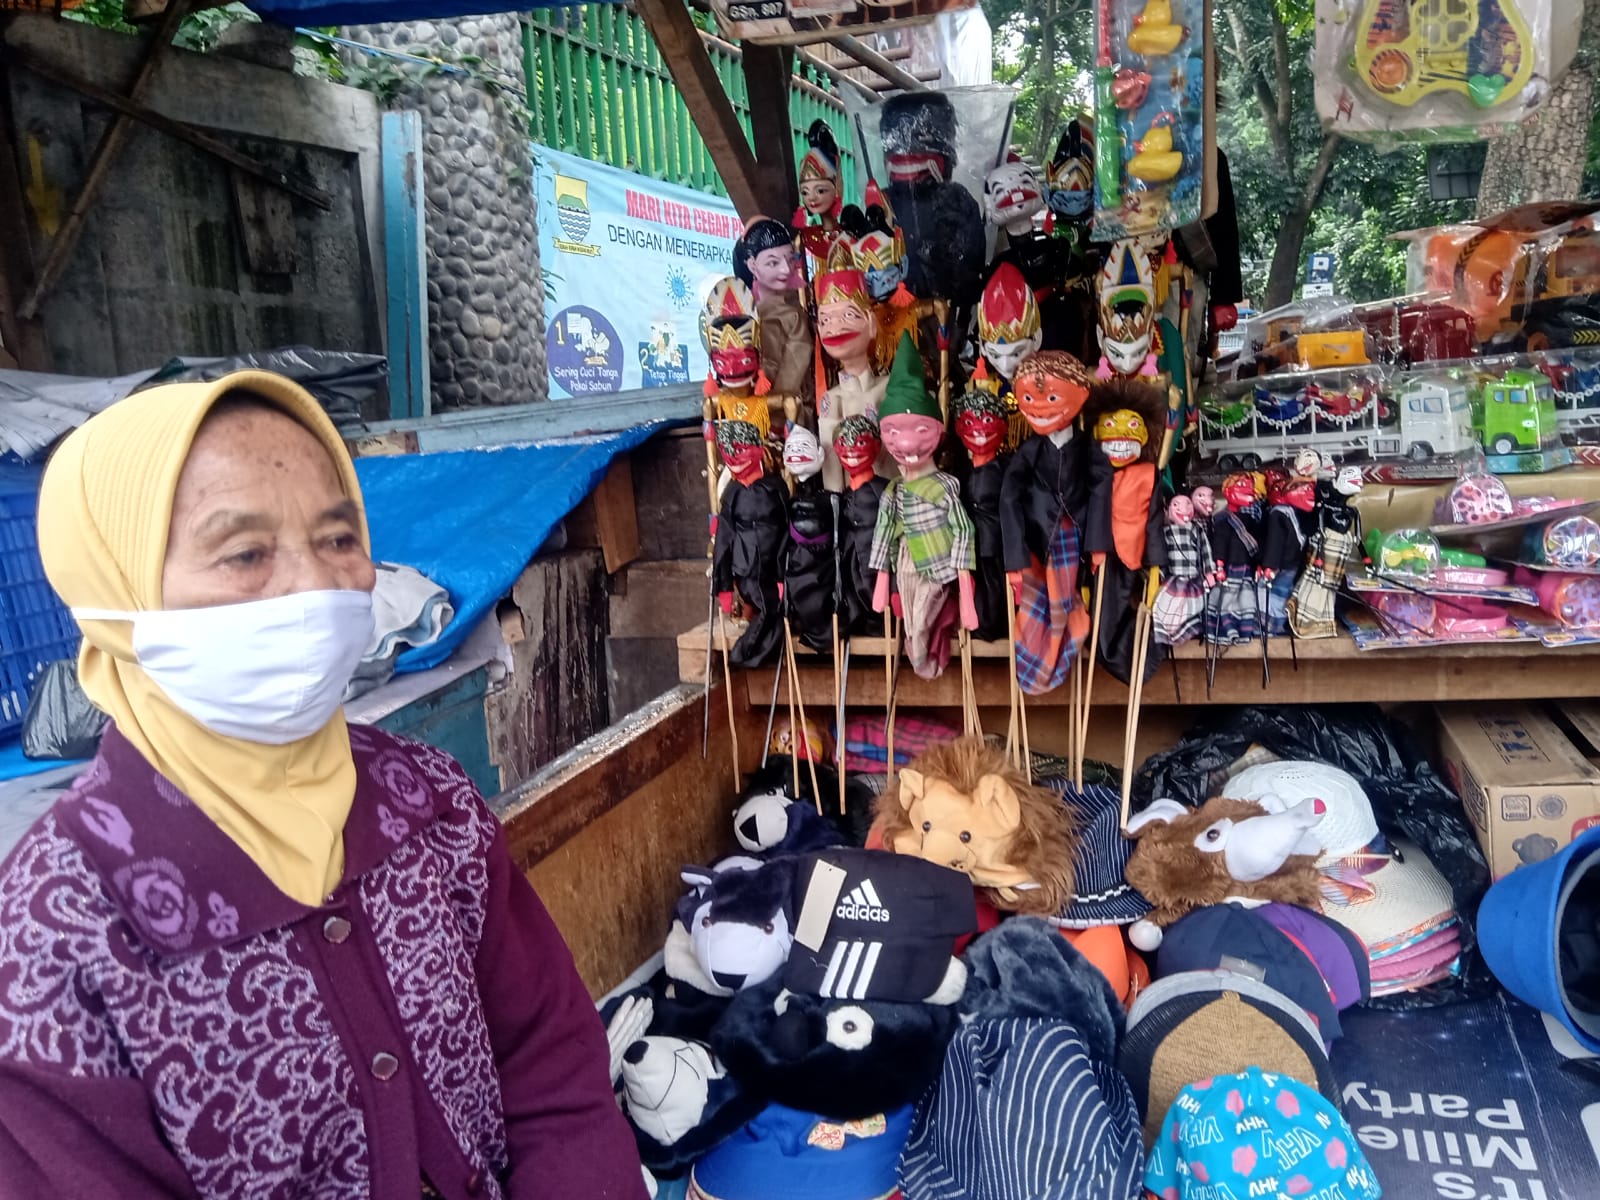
<point x="599" y="89"/>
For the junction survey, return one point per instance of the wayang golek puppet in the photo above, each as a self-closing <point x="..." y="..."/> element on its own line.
<point x="816" y="221"/>
<point x="847" y="327"/>
<point x="764" y="259"/>
<point x="1043" y="507"/>
<point x="1008" y="332"/>
<point x="1180" y="606"/>
<point x="857" y="445"/>
<point x="1292" y="500"/>
<point x="732" y="336"/>
<point x="751" y="536"/>
<point x="981" y="421"/>
<point x="1234" y="614"/>
<point x="879" y="249"/>
<point x="1333" y="547"/>
<point x="924" y="535"/>
<point x="1013" y="197"/>
<point x="810" y="563"/>
<point x="1127" y="311"/>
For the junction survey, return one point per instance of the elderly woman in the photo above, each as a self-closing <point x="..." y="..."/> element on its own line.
<point x="255" y="951"/>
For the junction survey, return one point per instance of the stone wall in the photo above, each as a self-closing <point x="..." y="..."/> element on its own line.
<point x="485" y="295"/>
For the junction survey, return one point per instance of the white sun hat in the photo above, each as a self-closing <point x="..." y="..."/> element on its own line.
<point x="1347" y="823"/>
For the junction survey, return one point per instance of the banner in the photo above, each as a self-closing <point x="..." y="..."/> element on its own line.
<point x="631" y="261"/>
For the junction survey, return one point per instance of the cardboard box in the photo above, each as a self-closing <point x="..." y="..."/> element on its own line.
<point x="1528" y="787"/>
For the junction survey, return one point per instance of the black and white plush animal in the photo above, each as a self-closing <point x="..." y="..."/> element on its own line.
<point x="776" y="817"/>
<point x="732" y="930"/>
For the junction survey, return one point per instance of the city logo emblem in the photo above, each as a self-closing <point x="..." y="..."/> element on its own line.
<point x="572" y="214"/>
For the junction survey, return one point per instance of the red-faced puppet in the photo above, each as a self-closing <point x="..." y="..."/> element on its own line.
<point x="981" y="423"/>
<point x="752" y="536"/>
<point x="857" y="446"/>
<point x="1044" y="504"/>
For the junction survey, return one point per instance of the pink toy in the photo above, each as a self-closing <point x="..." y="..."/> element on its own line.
<point x="1479" y="498"/>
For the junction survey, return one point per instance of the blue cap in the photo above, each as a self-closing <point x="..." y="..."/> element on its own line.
<point x="786" y="1154"/>
<point x="1530" y="925"/>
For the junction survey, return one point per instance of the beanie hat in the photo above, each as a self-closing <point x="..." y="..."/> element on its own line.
<point x="1256" y="1134"/>
<point x="907" y="393"/>
<point x="1195" y="1025"/>
<point x="785" y="1154"/>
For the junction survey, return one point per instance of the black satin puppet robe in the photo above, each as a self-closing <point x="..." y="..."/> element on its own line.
<point x="747" y="556"/>
<point x="809" y="566"/>
<point x="858" y="519"/>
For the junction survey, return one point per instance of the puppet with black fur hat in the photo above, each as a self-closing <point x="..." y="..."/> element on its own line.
<point x="1127" y="418"/>
<point x="766" y="260"/>
<point x="963" y="804"/>
<point x="857" y="1022"/>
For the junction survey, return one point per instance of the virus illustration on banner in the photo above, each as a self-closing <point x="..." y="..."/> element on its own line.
<point x="678" y="289"/>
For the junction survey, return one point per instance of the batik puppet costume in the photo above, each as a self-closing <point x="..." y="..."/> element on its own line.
<point x="1125" y="418"/>
<point x="857" y="446"/>
<point x="1293" y="500"/>
<point x="751" y="539"/>
<point x="809" y="564"/>
<point x="1331" y="551"/>
<point x="1180" y="605"/>
<point x="924" y="535"/>
<point x="1234" y="611"/>
<point x="766" y="262"/>
<point x="847" y="327"/>
<point x="816" y="221"/>
<point x="1008" y="331"/>
<point x="1043" y="506"/>
<point x="980" y="420"/>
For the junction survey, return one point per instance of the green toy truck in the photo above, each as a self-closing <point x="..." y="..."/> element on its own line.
<point x="1515" y="413"/>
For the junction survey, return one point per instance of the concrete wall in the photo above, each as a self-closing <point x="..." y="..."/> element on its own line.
<point x="485" y="295"/>
<point x="162" y="268"/>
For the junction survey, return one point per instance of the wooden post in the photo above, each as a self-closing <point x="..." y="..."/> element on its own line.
<point x="766" y="77"/>
<point x="24" y="340"/>
<point x="696" y="78"/>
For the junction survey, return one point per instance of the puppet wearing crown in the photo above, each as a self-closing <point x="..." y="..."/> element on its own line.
<point x="816" y="221"/>
<point x="1127" y="303"/>
<point x="847" y="328"/>
<point x="1008" y="332"/>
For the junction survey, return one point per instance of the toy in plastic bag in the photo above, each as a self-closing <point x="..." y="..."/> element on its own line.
<point x="1403" y="552"/>
<point x="1478" y="497"/>
<point x="1150" y="88"/>
<point x="1439" y="70"/>
<point x="60" y="722"/>
<point x="1409" y="800"/>
<point x="1565" y="542"/>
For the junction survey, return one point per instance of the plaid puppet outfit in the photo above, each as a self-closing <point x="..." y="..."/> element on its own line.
<point x="1046" y="610"/>
<point x="925" y="536"/>
<point x="1176" y="615"/>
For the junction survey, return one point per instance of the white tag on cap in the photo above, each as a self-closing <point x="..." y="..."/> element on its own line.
<point x="1242" y="966"/>
<point x="827" y="881"/>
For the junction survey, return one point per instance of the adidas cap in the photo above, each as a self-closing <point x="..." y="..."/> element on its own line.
<point x="891" y="925"/>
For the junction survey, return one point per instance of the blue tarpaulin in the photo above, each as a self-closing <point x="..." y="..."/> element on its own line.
<point x="471" y="519"/>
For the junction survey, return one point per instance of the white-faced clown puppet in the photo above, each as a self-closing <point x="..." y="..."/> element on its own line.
<point x="924" y="535"/>
<point x="1013" y="196"/>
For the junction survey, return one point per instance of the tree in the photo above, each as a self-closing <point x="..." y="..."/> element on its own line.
<point x="1045" y="48"/>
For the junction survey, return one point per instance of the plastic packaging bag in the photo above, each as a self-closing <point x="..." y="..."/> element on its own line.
<point x="60" y="722"/>
<point x="350" y="387"/>
<point x="1408" y="797"/>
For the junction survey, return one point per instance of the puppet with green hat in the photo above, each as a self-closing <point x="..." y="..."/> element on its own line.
<point x="924" y="535"/>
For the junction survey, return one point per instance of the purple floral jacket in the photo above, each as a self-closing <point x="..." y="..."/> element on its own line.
<point x="171" y="1024"/>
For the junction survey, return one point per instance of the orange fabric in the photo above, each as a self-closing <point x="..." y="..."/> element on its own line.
<point x="1103" y="945"/>
<point x="1131" y="488"/>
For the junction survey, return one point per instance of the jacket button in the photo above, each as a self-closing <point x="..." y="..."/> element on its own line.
<point x="384" y="1065"/>
<point x="475" y="1182"/>
<point x="336" y="929"/>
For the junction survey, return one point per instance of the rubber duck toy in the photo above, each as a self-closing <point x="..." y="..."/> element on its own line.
<point x="1153" y="33"/>
<point x="1155" y="161"/>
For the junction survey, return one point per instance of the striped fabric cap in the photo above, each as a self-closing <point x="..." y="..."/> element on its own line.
<point x="1101" y="896"/>
<point x="1023" y="1112"/>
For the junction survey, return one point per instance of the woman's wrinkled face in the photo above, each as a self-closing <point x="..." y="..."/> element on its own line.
<point x="259" y="512"/>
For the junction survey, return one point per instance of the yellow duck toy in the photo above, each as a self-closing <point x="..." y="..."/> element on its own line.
<point x="1155" y="161"/>
<point x="1153" y="32"/>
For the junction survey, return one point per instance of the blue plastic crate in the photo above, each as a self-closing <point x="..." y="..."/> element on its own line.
<point x="35" y="627"/>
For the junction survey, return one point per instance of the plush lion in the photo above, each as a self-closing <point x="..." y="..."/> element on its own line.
<point x="962" y="804"/>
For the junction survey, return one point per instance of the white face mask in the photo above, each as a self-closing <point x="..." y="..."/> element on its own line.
<point x="266" y="671"/>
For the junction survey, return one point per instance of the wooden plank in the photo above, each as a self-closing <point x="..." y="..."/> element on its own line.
<point x="895" y="77"/>
<point x="1330" y="670"/>
<point x="25" y="339"/>
<point x="405" y="254"/>
<point x="615" y="515"/>
<point x="619" y="817"/>
<point x="555" y="696"/>
<point x="659" y="599"/>
<point x="766" y="76"/>
<point x="266" y="226"/>
<point x="696" y="78"/>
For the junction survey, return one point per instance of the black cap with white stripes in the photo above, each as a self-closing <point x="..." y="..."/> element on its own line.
<point x="876" y="926"/>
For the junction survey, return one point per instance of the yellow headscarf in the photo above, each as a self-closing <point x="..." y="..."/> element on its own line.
<point x="104" y="511"/>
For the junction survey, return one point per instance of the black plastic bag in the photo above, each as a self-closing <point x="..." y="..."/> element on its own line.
<point x="60" y="721"/>
<point x="350" y="387"/>
<point x="1408" y="797"/>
